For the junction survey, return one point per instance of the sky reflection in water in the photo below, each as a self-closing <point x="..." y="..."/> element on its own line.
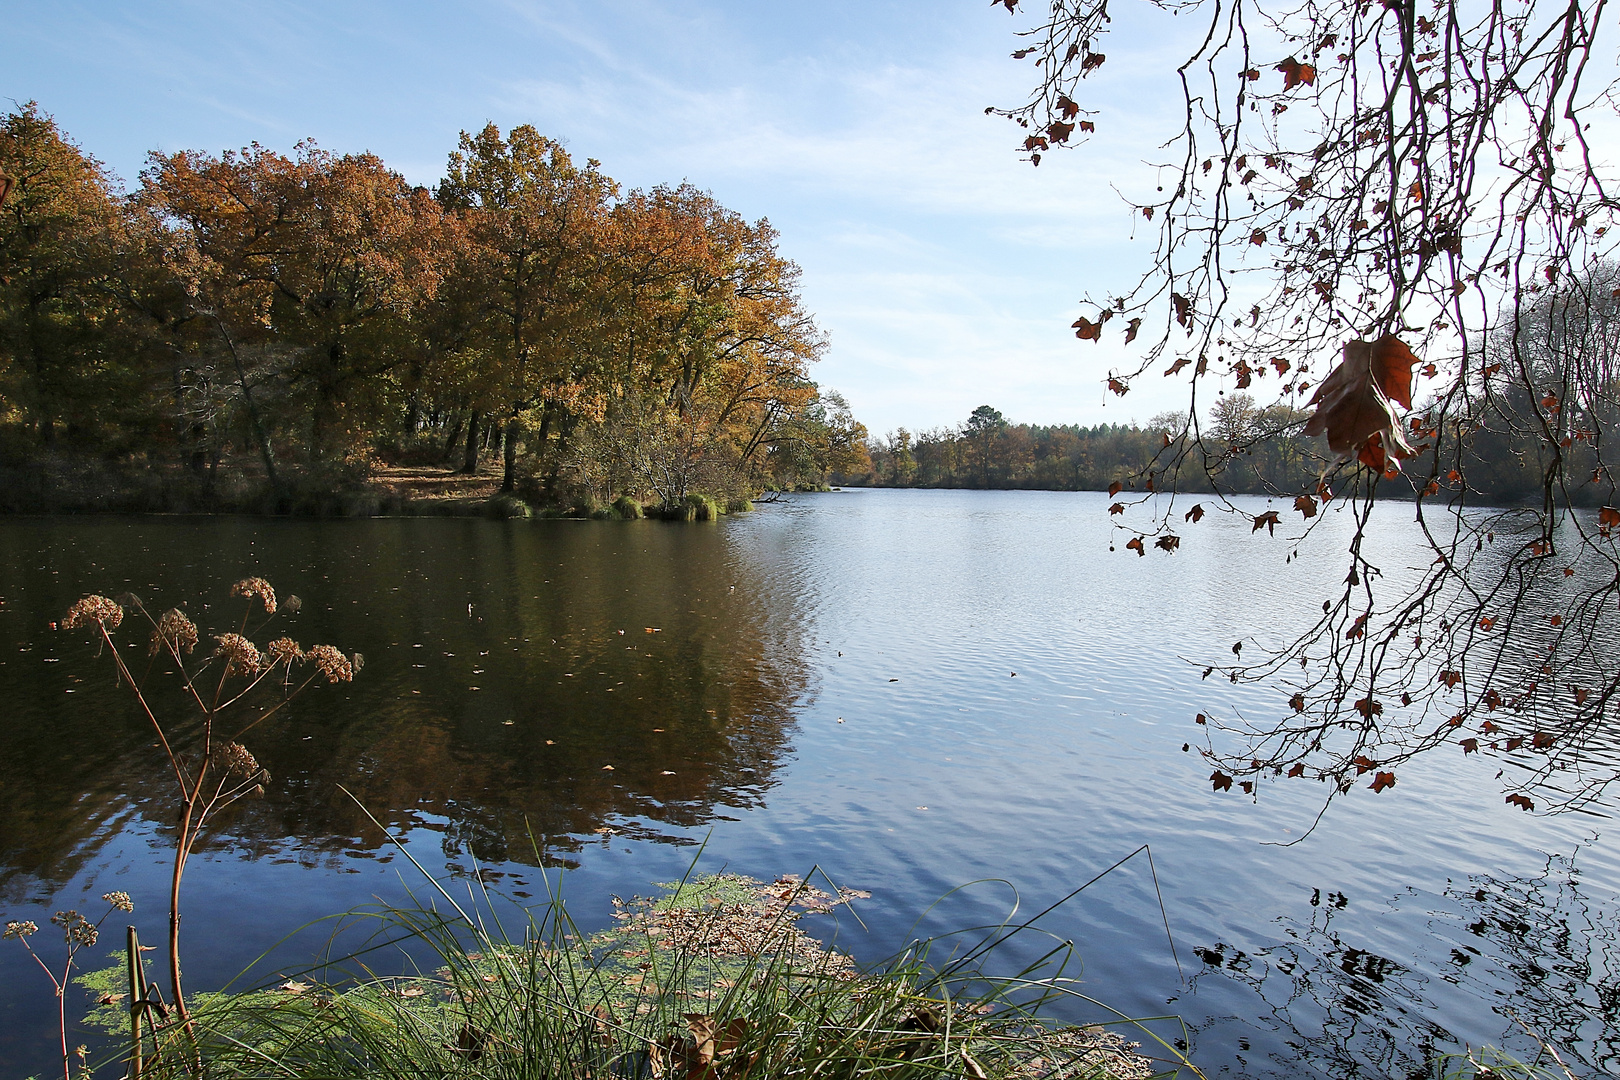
<point x="829" y="681"/>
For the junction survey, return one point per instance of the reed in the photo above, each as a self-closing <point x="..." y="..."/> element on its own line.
<point x="712" y="979"/>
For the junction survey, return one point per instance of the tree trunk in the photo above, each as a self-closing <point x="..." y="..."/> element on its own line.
<point x="454" y="437"/>
<point x="509" y="470"/>
<point x="469" y="463"/>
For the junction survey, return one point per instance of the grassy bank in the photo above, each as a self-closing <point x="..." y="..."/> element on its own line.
<point x="713" y="977"/>
<point x="72" y="485"/>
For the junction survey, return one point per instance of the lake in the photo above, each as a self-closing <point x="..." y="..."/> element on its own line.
<point x="912" y="690"/>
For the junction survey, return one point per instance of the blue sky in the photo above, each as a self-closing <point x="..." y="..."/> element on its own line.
<point x="944" y="270"/>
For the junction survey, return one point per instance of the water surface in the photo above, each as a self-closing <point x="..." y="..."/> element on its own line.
<point x="912" y="690"/>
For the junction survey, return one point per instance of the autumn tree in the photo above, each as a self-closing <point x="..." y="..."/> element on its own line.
<point x="711" y="342"/>
<point x="62" y="231"/>
<point x="301" y="274"/>
<point x="533" y="220"/>
<point x="1400" y="216"/>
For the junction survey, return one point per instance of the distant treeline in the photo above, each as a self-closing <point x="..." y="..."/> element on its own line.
<point x="1491" y="440"/>
<point x="288" y="323"/>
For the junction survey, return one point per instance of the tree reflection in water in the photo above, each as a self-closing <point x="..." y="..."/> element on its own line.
<point x="563" y="683"/>
<point x="1542" y="947"/>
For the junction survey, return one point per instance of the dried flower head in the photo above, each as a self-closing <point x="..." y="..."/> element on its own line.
<point x="20" y="929"/>
<point x="359" y="662"/>
<point x="76" y="929"/>
<point x="119" y="900"/>
<point x="241" y="655"/>
<point x="333" y="664"/>
<point x="235" y="760"/>
<point x="257" y="586"/>
<point x="94" y="609"/>
<point x="284" y="648"/>
<point x="173" y="631"/>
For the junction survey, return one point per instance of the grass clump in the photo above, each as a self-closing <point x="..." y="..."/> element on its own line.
<point x="712" y="979"/>
<point x="508" y="506"/>
<point x="739" y="506"/>
<point x="626" y="508"/>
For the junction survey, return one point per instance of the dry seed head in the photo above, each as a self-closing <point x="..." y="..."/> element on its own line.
<point x="257" y="586"/>
<point x="173" y="631"/>
<point x="235" y="760"/>
<point x="333" y="664"/>
<point x="290" y="605"/>
<point x="284" y="648"/>
<point x="94" y="609"/>
<point x="20" y="929"/>
<point x="241" y="655"/>
<point x="119" y="900"/>
<point x="76" y="929"/>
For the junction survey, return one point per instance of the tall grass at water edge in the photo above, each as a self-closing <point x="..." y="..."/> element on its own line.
<point x="713" y="978"/>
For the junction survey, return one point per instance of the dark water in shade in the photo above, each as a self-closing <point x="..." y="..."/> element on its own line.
<point x="831" y="683"/>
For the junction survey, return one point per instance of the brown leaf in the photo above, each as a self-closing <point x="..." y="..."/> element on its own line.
<point x="1183" y="308"/>
<point x="1305" y="505"/>
<point x="1354" y="403"/>
<point x="1117" y="508"/>
<point x="1169" y="542"/>
<point x="1177" y="366"/>
<point x="1258" y="237"/>
<point x="1294" y="73"/>
<point x="1382" y="780"/>
<point x="1068" y="108"/>
<point x="1092" y="62"/>
<point x="1117" y="386"/>
<point x="1297" y="771"/>
<point x="470" y="1043"/>
<point x="1195" y="515"/>
<point x="1608" y="517"/>
<point x="1297" y="702"/>
<point x="1521" y="801"/>
<point x="1451" y="678"/>
<point x="1220" y="780"/>
<point x="1267" y="521"/>
<point x="1130" y="330"/>
<point x="1470" y="746"/>
<point x="1364" y="764"/>
<point x="1136" y="546"/>
<point x="1086" y="330"/>
<point x="1088" y="127"/>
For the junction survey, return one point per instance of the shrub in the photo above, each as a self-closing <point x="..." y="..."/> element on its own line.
<point x="626" y="508"/>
